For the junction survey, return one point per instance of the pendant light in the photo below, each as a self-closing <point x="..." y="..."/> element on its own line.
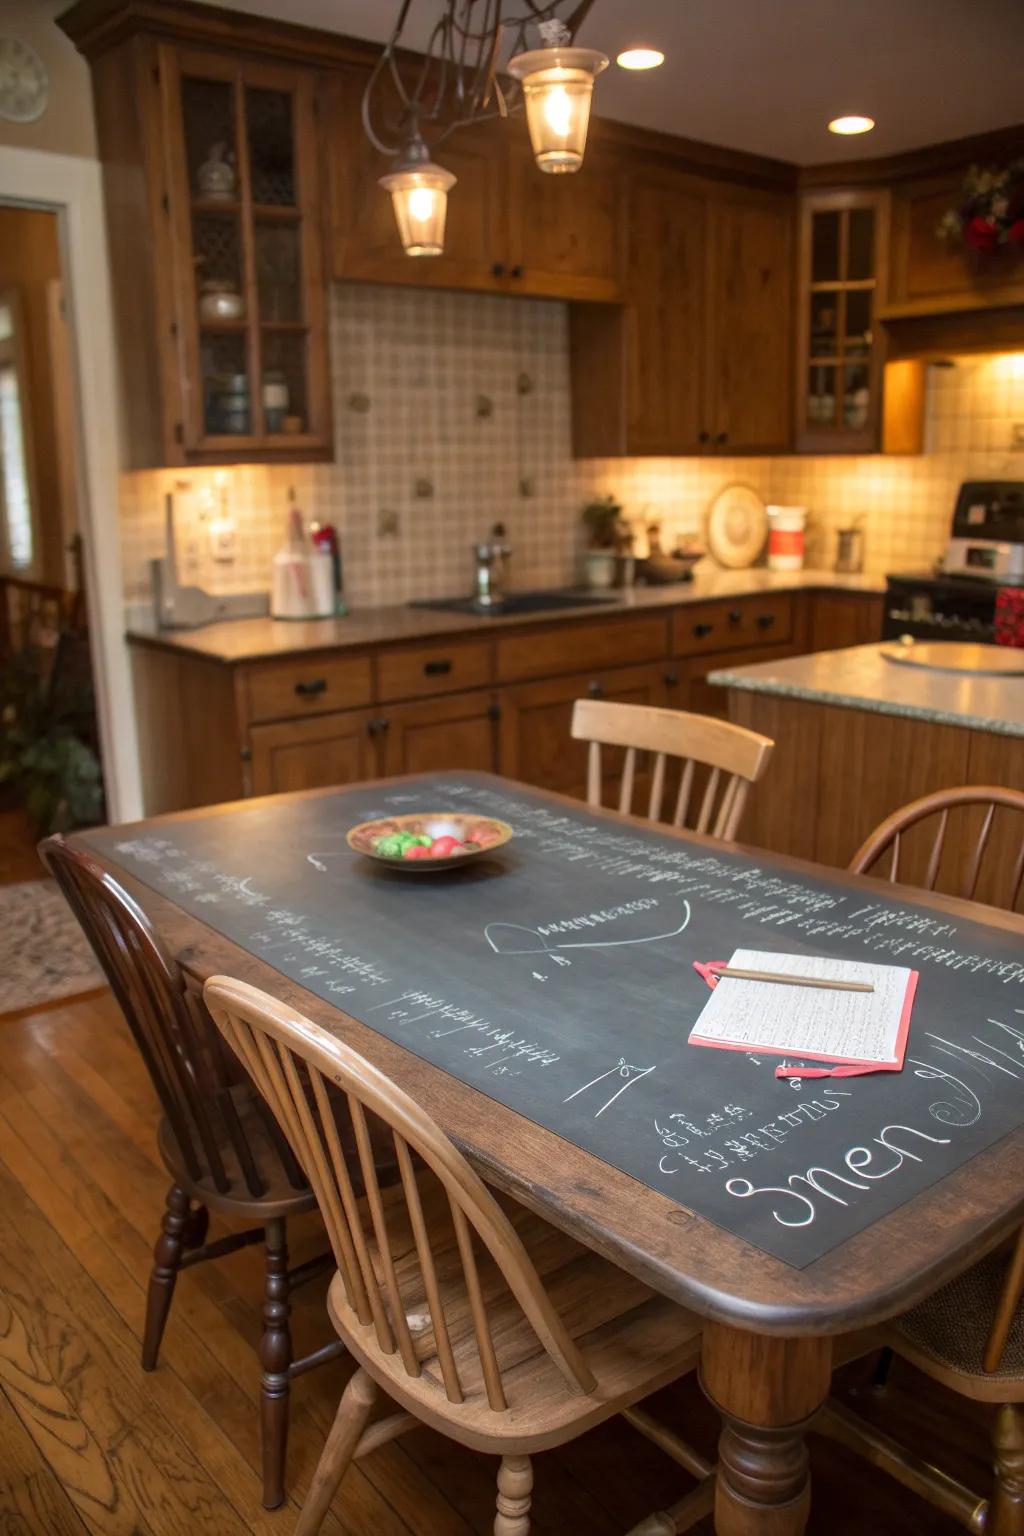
<point x="419" y="196"/>
<point x="558" y="84"/>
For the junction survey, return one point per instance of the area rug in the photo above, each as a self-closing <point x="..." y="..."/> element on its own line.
<point x="44" y="956"/>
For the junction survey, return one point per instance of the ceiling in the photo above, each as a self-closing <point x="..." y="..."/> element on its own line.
<point x="767" y="75"/>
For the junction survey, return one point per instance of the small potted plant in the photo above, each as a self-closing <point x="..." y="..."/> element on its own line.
<point x="608" y="542"/>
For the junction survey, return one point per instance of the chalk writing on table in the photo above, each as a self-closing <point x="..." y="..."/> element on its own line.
<point x="608" y="919"/>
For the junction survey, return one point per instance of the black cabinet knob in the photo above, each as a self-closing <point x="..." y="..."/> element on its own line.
<point x="312" y="688"/>
<point x="765" y="620"/>
<point x="517" y="270"/>
<point x="735" y="615"/>
<point x="702" y="630"/>
<point x="494" y="711"/>
<point x="703" y="437"/>
<point x="498" y="269"/>
<point x="436" y="668"/>
<point x="670" y="679"/>
<point x="723" y="437"/>
<point x="378" y="726"/>
<point x="595" y="690"/>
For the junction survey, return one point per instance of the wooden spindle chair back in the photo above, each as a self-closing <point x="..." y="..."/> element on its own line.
<point x="734" y="756"/>
<point x="887" y="845"/>
<point x="201" y="1091"/>
<point x="300" y="1068"/>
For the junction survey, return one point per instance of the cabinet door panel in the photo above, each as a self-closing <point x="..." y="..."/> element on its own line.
<point x="535" y="719"/>
<point x="748" y="309"/>
<point x="313" y="754"/>
<point x="665" y="330"/>
<point x="845" y="618"/>
<point x="440" y="734"/>
<point x="565" y="232"/>
<point x="364" y="236"/>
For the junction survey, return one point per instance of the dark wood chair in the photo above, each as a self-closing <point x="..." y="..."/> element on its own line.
<point x="218" y="1141"/>
<point x="470" y="1313"/>
<point x="957" y="860"/>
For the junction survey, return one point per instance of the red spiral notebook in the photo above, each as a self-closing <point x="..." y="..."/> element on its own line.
<point x="854" y="1032"/>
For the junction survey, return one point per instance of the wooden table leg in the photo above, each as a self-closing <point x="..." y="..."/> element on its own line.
<point x="767" y="1390"/>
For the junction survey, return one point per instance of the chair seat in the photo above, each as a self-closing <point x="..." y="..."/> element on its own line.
<point x="281" y="1197"/>
<point x="945" y="1336"/>
<point x="633" y="1340"/>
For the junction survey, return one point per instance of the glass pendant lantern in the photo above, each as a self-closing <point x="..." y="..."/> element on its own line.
<point x="419" y="196"/>
<point x="558" y="84"/>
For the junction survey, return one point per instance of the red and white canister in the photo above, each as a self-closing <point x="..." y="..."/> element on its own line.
<point x="786" y="527"/>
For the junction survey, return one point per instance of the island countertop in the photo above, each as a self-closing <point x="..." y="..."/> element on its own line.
<point x="259" y="639"/>
<point x="861" y="677"/>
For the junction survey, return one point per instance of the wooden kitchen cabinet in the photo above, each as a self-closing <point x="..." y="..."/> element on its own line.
<point x="698" y="360"/>
<point x="199" y="388"/>
<point x="458" y="732"/>
<point x="839" y="619"/>
<point x="534" y="740"/>
<point x="314" y="753"/>
<point x="564" y="234"/>
<point x="747" y="303"/>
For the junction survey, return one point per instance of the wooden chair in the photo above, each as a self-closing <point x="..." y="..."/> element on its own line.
<point x="970" y="1337"/>
<point x="966" y="852"/>
<point x="472" y="1315"/>
<point x="220" y="1145"/>
<point x="730" y="750"/>
<point x="970" y="1334"/>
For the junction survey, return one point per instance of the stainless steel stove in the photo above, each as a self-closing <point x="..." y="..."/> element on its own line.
<point x="957" y="601"/>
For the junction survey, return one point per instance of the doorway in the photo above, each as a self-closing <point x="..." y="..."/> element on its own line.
<point x="50" y="760"/>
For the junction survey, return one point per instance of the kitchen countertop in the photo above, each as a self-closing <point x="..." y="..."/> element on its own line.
<point x="261" y="639"/>
<point x="862" y="678"/>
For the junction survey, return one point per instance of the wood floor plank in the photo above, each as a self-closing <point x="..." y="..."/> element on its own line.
<point x="32" y="1500"/>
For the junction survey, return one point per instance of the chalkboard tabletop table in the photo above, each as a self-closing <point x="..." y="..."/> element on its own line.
<point x="538" y="1003"/>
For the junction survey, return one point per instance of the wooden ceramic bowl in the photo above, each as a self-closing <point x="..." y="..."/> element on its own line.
<point x="487" y="833"/>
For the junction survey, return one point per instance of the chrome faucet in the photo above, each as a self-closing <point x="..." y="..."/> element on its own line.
<point x="491" y="569"/>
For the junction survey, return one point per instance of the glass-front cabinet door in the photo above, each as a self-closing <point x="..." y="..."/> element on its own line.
<point x="843" y="243"/>
<point x="247" y="259"/>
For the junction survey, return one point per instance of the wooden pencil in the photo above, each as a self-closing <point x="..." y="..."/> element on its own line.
<point x="791" y="981"/>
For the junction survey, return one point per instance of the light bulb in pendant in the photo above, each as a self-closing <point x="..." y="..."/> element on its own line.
<point x="558" y="84"/>
<point x="419" y="196"/>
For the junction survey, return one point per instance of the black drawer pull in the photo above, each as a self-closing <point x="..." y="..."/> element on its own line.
<point x="703" y="437"/>
<point x="702" y="630"/>
<point x="498" y="269"/>
<point x="376" y="727"/>
<point x="735" y="615"/>
<point x="310" y="690"/>
<point x="436" y="668"/>
<point x="517" y="270"/>
<point x="670" y="679"/>
<point x="595" y="690"/>
<point x="765" y="620"/>
<point x="723" y="437"/>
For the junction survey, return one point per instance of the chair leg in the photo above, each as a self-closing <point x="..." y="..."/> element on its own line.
<point x="883" y="1370"/>
<point x="515" y="1489"/>
<point x="196" y="1227"/>
<point x="1006" y="1511"/>
<point x="167" y="1255"/>
<point x="275" y="1358"/>
<point x="355" y="1407"/>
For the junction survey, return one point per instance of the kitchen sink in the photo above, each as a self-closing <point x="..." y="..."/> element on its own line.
<point x="518" y="603"/>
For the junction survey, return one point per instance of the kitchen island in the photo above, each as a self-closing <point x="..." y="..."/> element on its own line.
<point x="858" y="734"/>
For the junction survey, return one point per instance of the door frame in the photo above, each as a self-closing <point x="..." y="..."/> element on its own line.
<point x="71" y="187"/>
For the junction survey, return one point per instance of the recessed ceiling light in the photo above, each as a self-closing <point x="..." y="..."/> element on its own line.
<point x="640" y="58"/>
<point x="852" y="124"/>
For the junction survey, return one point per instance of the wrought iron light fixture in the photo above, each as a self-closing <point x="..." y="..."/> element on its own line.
<point x="458" y="82"/>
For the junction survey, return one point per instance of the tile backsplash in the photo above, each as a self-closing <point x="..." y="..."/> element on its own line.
<point x="452" y="413"/>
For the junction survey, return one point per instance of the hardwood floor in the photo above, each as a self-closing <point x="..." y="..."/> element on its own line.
<point x="88" y="1443"/>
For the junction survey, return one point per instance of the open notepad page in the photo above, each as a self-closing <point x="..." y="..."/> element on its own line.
<point x="810" y="1022"/>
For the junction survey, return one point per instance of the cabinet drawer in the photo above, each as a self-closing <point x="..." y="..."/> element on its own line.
<point x="311" y="685"/>
<point x="736" y="625"/>
<point x="426" y="669"/>
<point x="562" y="647"/>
